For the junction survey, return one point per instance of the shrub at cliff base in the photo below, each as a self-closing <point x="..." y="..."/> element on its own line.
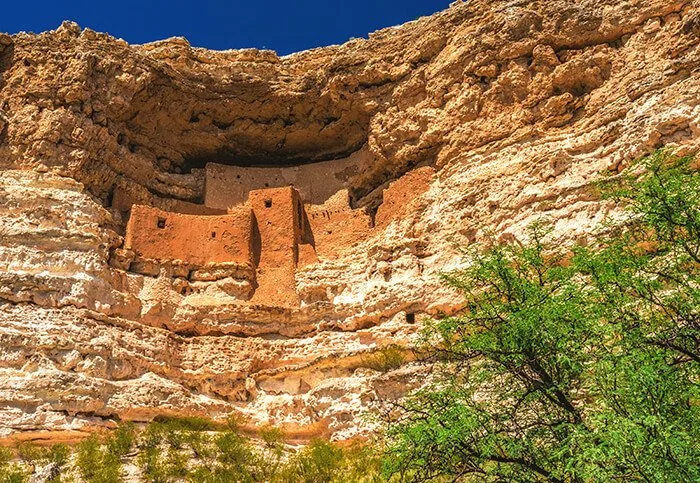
<point x="578" y="365"/>
<point x="385" y="359"/>
<point x="15" y="465"/>
<point x="195" y="450"/>
<point x="10" y="472"/>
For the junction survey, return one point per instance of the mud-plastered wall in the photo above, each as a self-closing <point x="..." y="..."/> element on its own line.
<point x="228" y="186"/>
<point x="193" y="239"/>
<point x="277" y="212"/>
<point x="334" y="225"/>
<point x="402" y="195"/>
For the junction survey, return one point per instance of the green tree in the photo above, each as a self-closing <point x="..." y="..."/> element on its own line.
<point x="162" y="465"/>
<point x="122" y="440"/>
<point x="578" y="365"/>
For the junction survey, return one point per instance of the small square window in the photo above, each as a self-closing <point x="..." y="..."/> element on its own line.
<point x="410" y="318"/>
<point x="213" y="234"/>
<point x="268" y="203"/>
<point x="161" y="222"/>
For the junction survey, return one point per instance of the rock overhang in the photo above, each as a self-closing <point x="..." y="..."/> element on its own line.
<point x="517" y="108"/>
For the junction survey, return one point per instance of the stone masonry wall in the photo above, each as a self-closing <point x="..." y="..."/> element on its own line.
<point x="194" y="239"/>
<point x="278" y="212"/>
<point x="402" y="194"/>
<point x="334" y="225"/>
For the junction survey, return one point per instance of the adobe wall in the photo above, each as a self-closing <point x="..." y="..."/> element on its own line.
<point x="335" y="226"/>
<point x="278" y="213"/>
<point x="402" y="195"/>
<point x="273" y="233"/>
<point x="198" y="240"/>
<point x="228" y="186"/>
<point x="125" y="196"/>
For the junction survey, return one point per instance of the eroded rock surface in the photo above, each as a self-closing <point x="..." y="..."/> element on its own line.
<point x="477" y="120"/>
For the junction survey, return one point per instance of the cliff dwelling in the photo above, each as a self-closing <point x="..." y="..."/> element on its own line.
<point x="194" y="232"/>
<point x="255" y="225"/>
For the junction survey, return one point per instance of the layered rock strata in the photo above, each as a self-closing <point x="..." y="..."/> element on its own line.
<point x="474" y="121"/>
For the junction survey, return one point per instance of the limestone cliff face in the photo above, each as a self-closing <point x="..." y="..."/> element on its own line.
<point x="478" y="119"/>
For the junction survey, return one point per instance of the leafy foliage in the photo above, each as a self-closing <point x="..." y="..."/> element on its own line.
<point x="385" y="359"/>
<point x="96" y="463"/>
<point x="10" y="472"/>
<point x="317" y="463"/>
<point x="122" y="439"/>
<point x="175" y="450"/>
<point x="569" y="366"/>
<point x="30" y="453"/>
<point x="161" y="466"/>
<point x="197" y="450"/>
<point x="191" y="423"/>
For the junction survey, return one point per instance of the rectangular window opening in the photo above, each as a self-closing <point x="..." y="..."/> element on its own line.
<point x="410" y="317"/>
<point x="161" y="222"/>
<point x="268" y="203"/>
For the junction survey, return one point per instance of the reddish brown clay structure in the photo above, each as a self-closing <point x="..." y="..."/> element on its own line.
<point x="334" y="226"/>
<point x="278" y="214"/>
<point x="401" y="195"/>
<point x="194" y="239"/>
<point x="228" y="186"/>
<point x="271" y="234"/>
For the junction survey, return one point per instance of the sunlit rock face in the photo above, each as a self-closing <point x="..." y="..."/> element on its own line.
<point x="399" y="150"/>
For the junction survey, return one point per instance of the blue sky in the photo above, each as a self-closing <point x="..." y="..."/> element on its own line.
<point x="284" y="26"/>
